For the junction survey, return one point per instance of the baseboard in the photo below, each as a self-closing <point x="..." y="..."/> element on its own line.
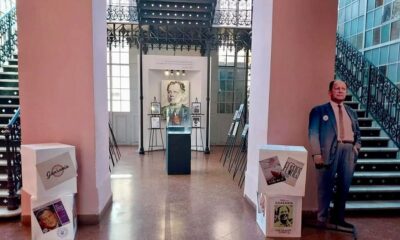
<point x="26" y="220"/>
<point x="94" y="219"/>
<point x="250" y="202"/>
<point x="84" y="219"/>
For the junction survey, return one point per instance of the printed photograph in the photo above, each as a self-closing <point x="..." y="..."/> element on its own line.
<point x="196" y="122"/>
<point x="196" y="108"/>
<point x="292" y="170"/>
<point x="175" y="97"/>
<point x="155" y="122"/>
<point x="155" y="108"/>
<point x="51" y="216"/>
<point x="283" y="214"/>
<point x="272" y="170"/>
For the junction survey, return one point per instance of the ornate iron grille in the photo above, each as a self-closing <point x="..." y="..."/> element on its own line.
<point x="117" y="13"/>
<point x="232" y="18"/>
<point x="370" y="86"/>
<point x="8" y="35"/>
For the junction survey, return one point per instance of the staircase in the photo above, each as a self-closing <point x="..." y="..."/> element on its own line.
<point x="376" y="180"/>
<point x="9" y="103"/>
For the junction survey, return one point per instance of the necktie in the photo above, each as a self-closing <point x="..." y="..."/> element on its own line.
<point x="341" y="127"/>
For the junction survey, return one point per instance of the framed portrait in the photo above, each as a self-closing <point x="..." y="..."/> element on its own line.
<point x="196" y="121"/>
<point x="155" y="122"/>
<point x="175" y="93"/>
<point x="196" y="108"/>
<point x="155" y="108"/>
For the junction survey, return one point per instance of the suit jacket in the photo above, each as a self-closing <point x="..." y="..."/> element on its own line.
<point x="322" y="131"/>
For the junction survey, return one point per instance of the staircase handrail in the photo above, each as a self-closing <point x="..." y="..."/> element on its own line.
<point x="14" y="118"/>
<point x="379" y="95"/>
<point x="8" y="35"/>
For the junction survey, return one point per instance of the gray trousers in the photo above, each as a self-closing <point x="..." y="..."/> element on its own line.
<point x="343" y="166"/>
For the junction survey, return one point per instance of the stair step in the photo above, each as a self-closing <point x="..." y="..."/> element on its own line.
<point x="352" y="104"/>
<point x="10" y="68"/>
<point x="3" y="177"/>
<point x="370" y="131"/>
<point x="378" y="149"/>
<point x="386" y="174"/>
<point x="9" y="99"/>
<point x="360" y="113"/>
<point x="373" y="205"/>
<point x="9" y="82"/>
<point x="375" y="188"/>
<point x="13" y="61"/>
<point x="5" y="213"/>
<point x="373" y="138"/>
<point x="378" y="161"/>
<point x="365" y="122"/>
<point x="375" y="141"/>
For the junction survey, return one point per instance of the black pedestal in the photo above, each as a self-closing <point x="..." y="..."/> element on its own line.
<point x="178" y="153"/>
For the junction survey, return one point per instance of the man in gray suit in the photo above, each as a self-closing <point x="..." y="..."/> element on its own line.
<point x="334" y="137"/>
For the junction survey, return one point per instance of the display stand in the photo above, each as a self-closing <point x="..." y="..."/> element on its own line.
<point x="240" y="160"/>
<point x="155" y="131"/>
<point x="178" y="133"/>
<point x="281" y="187"/>
<point x="178" y="155"/>
<point x="50" y="176"/>
<point x="230" y="144"/>
<point x="155" y="127"/>
<point x="197" y="129"/>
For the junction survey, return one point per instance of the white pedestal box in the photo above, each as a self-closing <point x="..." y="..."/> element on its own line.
<point x="54" y="218"/>
<point x="282" y="170"/>
<point x="279" y="215"/>
<point x="282" y="174"/>
<point x="49" y="169"/>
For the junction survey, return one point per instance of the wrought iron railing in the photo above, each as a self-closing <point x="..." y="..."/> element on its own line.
<point x="118" y="13"/>
<point x="12" y="133"/>
<point x="379" y="95"/>
<point x="222" y="18"/>
<point x="8" y="35"/>
<point x="232" y="18"/>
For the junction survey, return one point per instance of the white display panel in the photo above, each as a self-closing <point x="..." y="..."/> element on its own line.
<point x="282" y="170"/>
<point x="49" y="169"/>
<point x="54" y="217"/>
<point x="279" y="215"/>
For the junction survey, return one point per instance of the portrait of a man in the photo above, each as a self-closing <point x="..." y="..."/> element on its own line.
<point x="175" y="101"/>
<point x="283" y="216"/>
<point x="47" y="219"/>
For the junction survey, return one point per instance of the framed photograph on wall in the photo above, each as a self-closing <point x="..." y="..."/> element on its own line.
<point x="155" y="108"/>
<point x="196" y="108"/>
<point x="155" y="122"/>
<point x="196" y="121"/>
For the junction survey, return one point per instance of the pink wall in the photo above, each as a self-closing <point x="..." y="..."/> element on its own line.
<point x="293" y="62"/>
<point x="57" y="85"/>
<point x="302" y="65"/>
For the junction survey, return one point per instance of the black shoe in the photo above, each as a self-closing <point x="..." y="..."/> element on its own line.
<point x="320" y="225"/>
<point x="343" y="224"/>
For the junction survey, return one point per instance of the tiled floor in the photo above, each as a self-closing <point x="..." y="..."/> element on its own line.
<point x="149" y="204"/>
